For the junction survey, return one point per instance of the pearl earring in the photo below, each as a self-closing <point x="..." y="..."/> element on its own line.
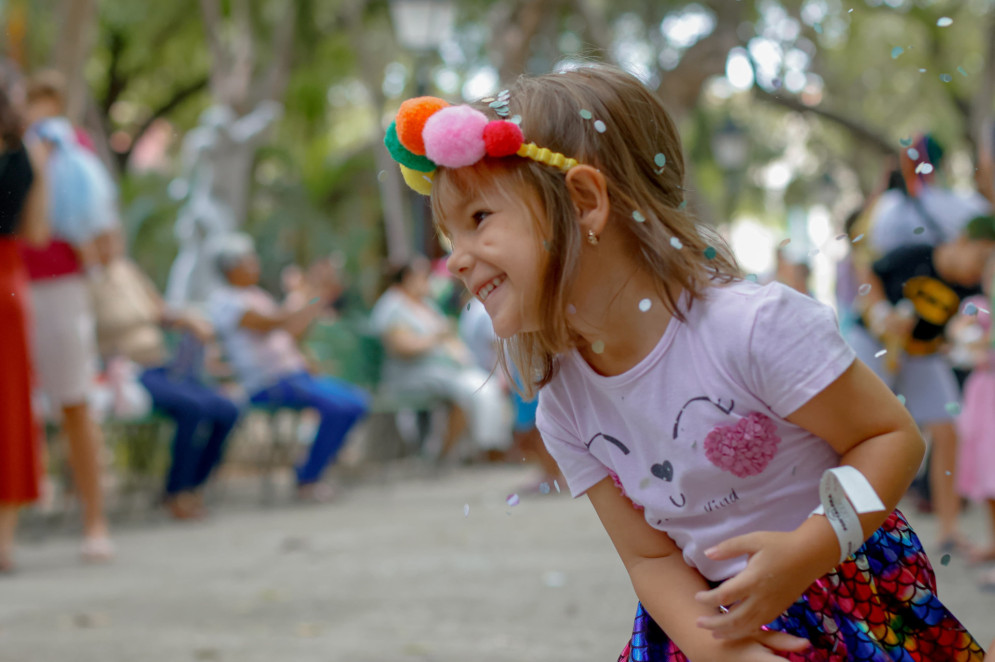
<point x="592" y="238"/>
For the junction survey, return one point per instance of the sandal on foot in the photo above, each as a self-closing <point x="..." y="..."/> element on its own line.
<point x="97" y="549"/>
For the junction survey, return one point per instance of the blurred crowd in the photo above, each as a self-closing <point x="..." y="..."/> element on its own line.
<point x="86" y="338"/>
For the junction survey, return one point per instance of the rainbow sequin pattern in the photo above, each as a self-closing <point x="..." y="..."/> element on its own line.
<point x="879" y="605"/>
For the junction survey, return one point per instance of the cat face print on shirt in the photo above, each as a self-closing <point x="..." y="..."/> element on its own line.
<point x="743" y="448"/>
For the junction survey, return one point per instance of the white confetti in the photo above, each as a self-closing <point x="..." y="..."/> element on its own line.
<point x="599" y="126"/>
<point x="512" y="500"/>
<point x="556" y="484"/>
<point x="924" y="168"/>
<point x="466" y="510"/>
<point x="598" y="346"/>
<point x="645" y="305"/>
<point x="944" y="22"/>
<point x="676" y="243"/>
<point x="864" y="289"/>
<point x="858" y="238"/>
<point x="880" y="353"/>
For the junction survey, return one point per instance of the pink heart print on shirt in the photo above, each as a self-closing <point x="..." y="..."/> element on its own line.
<point x="744" y="449"/>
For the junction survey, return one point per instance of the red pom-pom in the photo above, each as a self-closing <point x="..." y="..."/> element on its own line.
<point x="411" y="118"/>
<point x="502" y="138"/>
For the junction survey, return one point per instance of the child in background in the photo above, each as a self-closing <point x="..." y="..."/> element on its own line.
<point x="976" y="424"/>
<point x="696" y="409"/>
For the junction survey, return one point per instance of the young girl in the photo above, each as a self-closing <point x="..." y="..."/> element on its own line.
<point x="696" y="409"/>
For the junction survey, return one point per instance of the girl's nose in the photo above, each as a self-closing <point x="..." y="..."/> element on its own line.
<point x="459" y="262"/>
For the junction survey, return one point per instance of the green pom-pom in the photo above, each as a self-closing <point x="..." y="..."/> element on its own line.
<point x="402" y="155"/>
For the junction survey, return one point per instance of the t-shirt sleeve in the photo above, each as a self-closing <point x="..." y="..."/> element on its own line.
<point x="795" y="350"/>
<point x="580" y="469"/>
<point x="226" y="311"/>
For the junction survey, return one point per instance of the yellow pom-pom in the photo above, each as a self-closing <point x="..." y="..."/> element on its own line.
<point x="420" y="182"/>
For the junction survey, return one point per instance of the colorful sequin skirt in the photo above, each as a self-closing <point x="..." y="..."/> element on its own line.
<point x="879" y="605"/>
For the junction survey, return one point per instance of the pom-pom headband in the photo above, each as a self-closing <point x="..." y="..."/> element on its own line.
<point x="428" y="132"/>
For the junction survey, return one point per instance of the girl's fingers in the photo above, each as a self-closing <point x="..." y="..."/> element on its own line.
<point x="781" y="641"/>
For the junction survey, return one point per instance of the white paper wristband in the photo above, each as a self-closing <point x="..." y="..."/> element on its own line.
<point x="845" y="493"/>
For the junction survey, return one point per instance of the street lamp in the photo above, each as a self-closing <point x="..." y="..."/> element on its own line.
<point x="421" y="27"/>
<point x="730" y="147"/>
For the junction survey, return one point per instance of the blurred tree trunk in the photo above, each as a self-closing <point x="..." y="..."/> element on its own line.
<point x="392" y="187"/>
<point x="72" y="49"/>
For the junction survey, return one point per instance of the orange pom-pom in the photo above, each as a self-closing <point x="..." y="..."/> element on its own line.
<point x="411" y="118"/>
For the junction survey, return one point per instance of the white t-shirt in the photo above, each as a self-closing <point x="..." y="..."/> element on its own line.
<point x="259" y="359"/>
<point x="896" y="218"/>
<point x="695" y="432"/>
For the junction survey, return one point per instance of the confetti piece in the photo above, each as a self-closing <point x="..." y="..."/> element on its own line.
<point x="841" y="236"/>
<point x="599" y="126"/>
<point x="544" y="488"/>
<point x="556" y="484"/>
<point x="684" y="203"/>
<point x="880" y="353"/>
<point x="638" y="217"/>
<point x="645" y="305"/>
<point x="905" y="142"/>
<point x="864" y="289"/>
<point x="962" y="71"/>
<point x="516" y="119"/>
<point x="944" y="22"/>
<point x="857" y="238"/>
<point x="945" y="559"/>
<point x="913" y="153"/>
<point x="946" y="78"/>
<point x="660" y="160"/>
<point x="784" y="242"/>
<point x="512" y="500"/>
<point x="598" y="346"/>
<point x="919" y="230"/>
<point x="586" y="114"/>
<point x="676" y="243"/>
<point x="970" y="309"/>
<point x="922" y="71"/>
<point x="752" y="278"/>
<point x="926" y="168"/>
<point x="953" y="408"/>
<point x="896" y="51"/>
<point x="901" y="398"/>
<point x="466" y="510"/>
<point x="382" y="176"/>
<point x="710" y="253"/>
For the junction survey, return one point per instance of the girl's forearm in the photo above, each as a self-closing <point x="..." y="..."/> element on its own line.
<point x="889" y="461"/>
<point x="666" y="587"/>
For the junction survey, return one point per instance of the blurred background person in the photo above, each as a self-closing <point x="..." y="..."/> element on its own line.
<point x="260" y="341"/>
<point x="81" y="205"/>
<point x="22" y="215"/>
<point x="425" y="356"/>
<point x="131" y="315"/>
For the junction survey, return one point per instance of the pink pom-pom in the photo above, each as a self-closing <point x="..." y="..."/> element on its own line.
<point x="454" y="136"/>
<point x="502" y="138"/>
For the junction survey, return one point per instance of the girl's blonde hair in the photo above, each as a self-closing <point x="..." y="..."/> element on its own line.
<point x="638" y="150"/>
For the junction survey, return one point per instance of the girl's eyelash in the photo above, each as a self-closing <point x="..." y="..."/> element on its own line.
<point x="480" y="215"/>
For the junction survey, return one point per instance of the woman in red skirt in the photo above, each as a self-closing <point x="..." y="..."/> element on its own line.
<point x="21" y="217"/>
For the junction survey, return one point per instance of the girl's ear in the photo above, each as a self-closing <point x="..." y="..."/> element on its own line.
<point x="589" y="192"/>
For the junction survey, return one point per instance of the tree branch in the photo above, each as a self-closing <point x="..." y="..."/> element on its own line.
<point x="867" y="135"/>
<point x="178" y="97"/>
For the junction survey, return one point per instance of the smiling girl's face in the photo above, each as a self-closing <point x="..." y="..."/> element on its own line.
<point x="497" y="251"/>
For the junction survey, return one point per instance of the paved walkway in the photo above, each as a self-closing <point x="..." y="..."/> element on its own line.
<point x="402" y="568"/>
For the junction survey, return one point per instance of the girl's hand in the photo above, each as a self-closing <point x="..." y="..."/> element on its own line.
<point x="761" y="647"/>
<point x="775" y="576"/>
